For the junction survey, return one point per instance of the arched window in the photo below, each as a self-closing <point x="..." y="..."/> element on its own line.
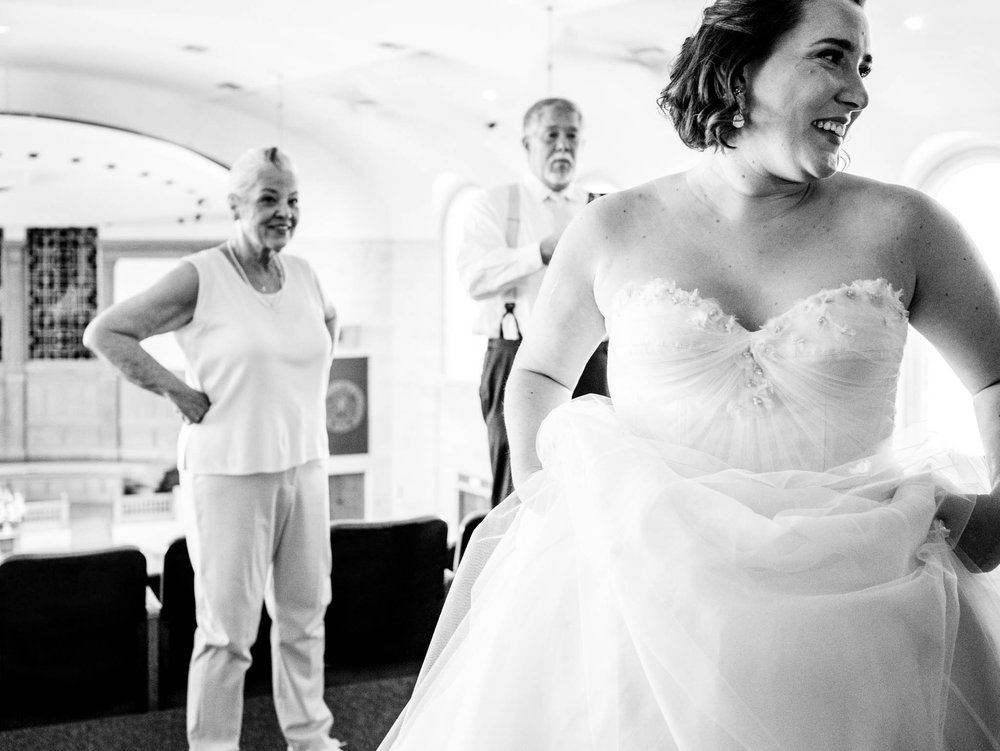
<point x="964" y="182"/>
<point x="463" y="350"/>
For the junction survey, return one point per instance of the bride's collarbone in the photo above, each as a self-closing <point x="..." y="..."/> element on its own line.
<point x="765" y="252"/>
<point x="752" y="265"/>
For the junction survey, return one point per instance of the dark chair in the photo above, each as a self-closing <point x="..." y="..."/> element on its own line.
<point x="73" y="637"/>
<point x="465" y="529"/>
<point x="177" y="625"/>
<point x="388" y="584"/>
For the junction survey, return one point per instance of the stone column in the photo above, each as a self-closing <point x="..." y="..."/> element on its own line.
<point x="13" y="305"/>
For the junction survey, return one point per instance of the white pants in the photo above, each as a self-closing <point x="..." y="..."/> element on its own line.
<point x="254" y="538"/>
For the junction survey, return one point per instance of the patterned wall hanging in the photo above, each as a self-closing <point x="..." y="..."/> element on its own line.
<point x="62" y="291"/>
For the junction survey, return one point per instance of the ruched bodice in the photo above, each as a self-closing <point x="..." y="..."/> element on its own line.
<point x="812" y="388"/>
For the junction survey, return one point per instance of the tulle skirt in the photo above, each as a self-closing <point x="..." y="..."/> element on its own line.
<point x="639" y="595"/>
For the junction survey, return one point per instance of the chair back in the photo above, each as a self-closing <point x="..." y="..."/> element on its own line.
<point x="465" y="529"/>
<point x="177" y="625"/>
<point x="387" y="590"/>
<point x="73" y="636"/>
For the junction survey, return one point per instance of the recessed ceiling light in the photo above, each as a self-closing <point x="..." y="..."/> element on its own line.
<point x="489" y="95"/>
<point x="4" y="29"/>
<point x="229" y="85"/>
<point x="914" y="23"/>
<point x="196" y="48"/>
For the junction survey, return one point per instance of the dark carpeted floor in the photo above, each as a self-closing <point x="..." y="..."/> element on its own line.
<point x="363" y="713"/>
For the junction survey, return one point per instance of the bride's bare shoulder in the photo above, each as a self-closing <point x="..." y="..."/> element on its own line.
<point x="619" y="215"/>
<point x="865" y="196"/>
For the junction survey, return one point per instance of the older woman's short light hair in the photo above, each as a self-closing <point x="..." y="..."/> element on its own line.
<point x="245" y="171"/>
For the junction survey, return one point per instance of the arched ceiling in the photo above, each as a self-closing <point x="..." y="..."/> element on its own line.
<point x="375" y="100"/>
<point x="63" y="173"/>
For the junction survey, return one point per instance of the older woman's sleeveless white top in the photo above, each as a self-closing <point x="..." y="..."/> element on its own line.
<point x="263" y="360"/>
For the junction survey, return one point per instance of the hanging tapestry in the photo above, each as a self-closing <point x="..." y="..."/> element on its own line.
<point x="62" y="291"/>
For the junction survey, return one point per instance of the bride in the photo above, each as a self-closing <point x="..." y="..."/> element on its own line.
<point x="728" y="554"/>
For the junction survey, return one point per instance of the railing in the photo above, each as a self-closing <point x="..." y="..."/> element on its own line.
<point x="47" y="513"/>
<point x="145" y="506"/>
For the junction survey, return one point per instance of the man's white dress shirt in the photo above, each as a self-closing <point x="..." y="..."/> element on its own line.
<point x="495" y="273"/>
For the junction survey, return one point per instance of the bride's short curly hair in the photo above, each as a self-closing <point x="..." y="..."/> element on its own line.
<point x="700" y="98"/>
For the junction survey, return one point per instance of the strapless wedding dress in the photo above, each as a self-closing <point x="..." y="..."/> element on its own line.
<point x="727" y="555"/>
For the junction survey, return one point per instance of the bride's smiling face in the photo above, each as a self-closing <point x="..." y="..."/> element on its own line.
<point x="803" y="98"/>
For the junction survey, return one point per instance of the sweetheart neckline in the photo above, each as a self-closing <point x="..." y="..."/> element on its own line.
<point x="633" y="289"/>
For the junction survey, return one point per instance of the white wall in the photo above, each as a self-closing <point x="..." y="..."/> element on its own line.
<point x="424" y="429"/>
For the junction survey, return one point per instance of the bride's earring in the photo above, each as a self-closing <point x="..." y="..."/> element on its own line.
<point x="738" y="120"/>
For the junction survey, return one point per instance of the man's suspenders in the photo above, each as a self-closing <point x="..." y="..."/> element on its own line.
<point x="513" y="227"/>
<point x="513" y="215"/>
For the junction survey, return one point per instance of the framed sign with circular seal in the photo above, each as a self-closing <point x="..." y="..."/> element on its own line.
<point x="347" y="406"/>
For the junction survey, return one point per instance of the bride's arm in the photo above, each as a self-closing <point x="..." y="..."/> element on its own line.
<point x="956" y="305"/>
<point x="566" y="327"/>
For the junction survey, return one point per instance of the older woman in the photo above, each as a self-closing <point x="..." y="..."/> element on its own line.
<point x="257" y="336"/>
<point x="727" y="555"/>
